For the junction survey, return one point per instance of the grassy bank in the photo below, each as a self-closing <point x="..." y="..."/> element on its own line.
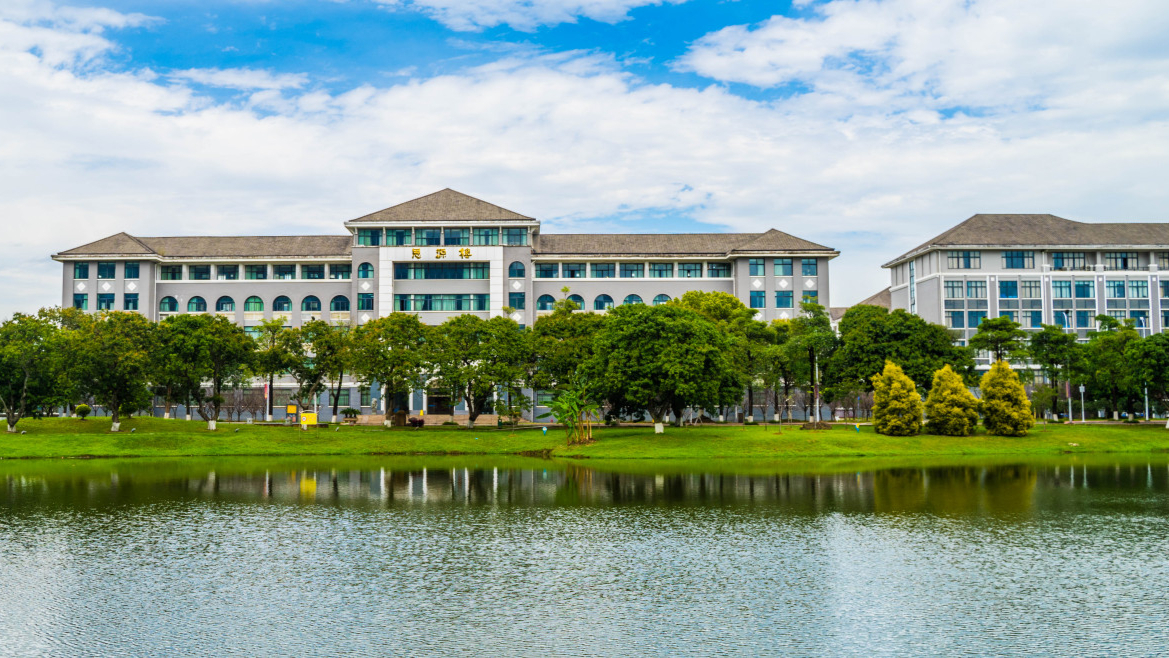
<point x="153" y="437"/>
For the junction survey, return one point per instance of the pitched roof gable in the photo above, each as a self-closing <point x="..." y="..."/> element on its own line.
<point x="443" y="206"/>
<point x="776" y="240"/>
<point x="119" y="244"/>
<point x="269" y="246"/>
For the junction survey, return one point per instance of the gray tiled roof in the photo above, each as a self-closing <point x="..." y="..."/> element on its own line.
<point x="443" y="206"/>
<point x="268" y="246"/>
<point x="882" y="298"/>
<point x="985" y="230"/>
<point x="672" y="244"/>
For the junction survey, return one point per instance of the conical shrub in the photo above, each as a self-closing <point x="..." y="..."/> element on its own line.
<point x="1006" y="410"/>
<point x="896" y="403"/>
<point x="951" y="409"/>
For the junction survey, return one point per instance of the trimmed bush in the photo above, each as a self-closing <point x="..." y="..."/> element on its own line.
<point x="896" y="403"/>
<point x="82" y="410"/>
<point x="1005" y="407"/>
<point x="951" y="408"/>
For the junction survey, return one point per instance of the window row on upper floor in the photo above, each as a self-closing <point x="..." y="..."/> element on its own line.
<point x="1062" y="260"/>
<point x="782" y="266"/>
<point x="280" y="272"/>
<point x="255" y="304"/>
<point x="1082" y="289"/>
<point x="757" y="300"/>
<point x="425" y="237"/>
<point x="547" y="270"/>
<point x="106" y="270"/>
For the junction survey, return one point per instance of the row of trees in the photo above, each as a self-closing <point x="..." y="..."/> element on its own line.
<point x="950" y="408"/>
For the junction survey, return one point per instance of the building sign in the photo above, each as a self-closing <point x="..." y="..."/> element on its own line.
<point x="439" y="253"/>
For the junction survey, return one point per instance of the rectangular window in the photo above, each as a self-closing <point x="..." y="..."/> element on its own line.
<point x="515" y="237"/>
<point x="369" y="237"/>
<point x="81" y="301"/>
<point x="1085" y="289"/>
<point x="783" y="267"/>
<point x="1163" y="260"/>
<point x="365" y="301"/>
<point x="758" y="299"/>
<point x="130" y="270"/>
<point x="170" y="273"/>
<point x="1120" y="260"/>
<point x="1018" y="260"/>
<point x="312" y="272"/>
<point x="1063" y="319"/>
<point x="199" y="272"/>
<point x="366" y="397"/>
<point x="964" y="260"/>
<point x="1165" y="290"/>
<point x="1114" y="289"/>
<point x="340" y="397"/>
<point x="1032" y="319"/>
<point x="955" y="289"/>
<point x="458" y="237"/>
<point x="976" y="289"/>
<point x="956" y="319"/>
<point x="1030" y="289"/>
<point x="516" y="300"/>
<point x="604" y="270"/>
<point x="1141" y="317"/>
<point x="975" y="318"/>
<point x="283" y="272"/>
<point x="255" y="272"/>
<point x="399" y="237"/>
<point x="105" y="301"/>
<point x="1138" y="289"/>
<point x="227" y="272"/>
<point x="485" y="236"/>
<point x="427" y="237"/>
<point x="341" y="272"/>
<point x="632" y="270"/>
<point x="573" y="271"/>
<point x="107" y="270"/>
<point x="80" y="270"/>
<point x="1084" y="319"/>
<point x="661" y="270"/>
<point x="1010" y="315"/>
<point x="1008" y="289"/>
<point x="130" y="301"/>
<point x="547" y="270"/>
<point x="544" y="398"/>
<point x="690" y="270"/>
<point x="445" y="302"/>
<point x="811" y="296"/>
<point x="755" y="265"/>
<point x="441" y="270"/>
<point x="1068" y="260"/>
<point x="808" y="267"/>
<point x="1061" y="289"/>
<point x="784" y="299"/>
<point x="718" y="270"/>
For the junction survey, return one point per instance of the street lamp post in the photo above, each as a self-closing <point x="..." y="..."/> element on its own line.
<point x="1082" y="420"/>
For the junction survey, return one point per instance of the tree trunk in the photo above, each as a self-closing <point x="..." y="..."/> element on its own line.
<point x="337" y="394"/>
<point x="271" y="394"/>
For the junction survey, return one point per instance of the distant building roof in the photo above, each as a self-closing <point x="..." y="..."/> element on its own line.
<point x="443" y="206"/>
<point x="269" y="246"/>
<point x="986" y="230"/>
<point x="671" y="244"/>
<point x="882" y="298"/>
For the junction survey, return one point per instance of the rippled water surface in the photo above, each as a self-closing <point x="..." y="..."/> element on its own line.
<point x="534" y="558"/>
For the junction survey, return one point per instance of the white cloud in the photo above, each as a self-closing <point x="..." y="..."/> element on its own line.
<point x="85" y="153"/>
<point x="524" y="15"/>
<point x="242" y="78"/>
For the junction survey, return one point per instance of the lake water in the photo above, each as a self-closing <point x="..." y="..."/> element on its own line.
<point x="529" y="557"/>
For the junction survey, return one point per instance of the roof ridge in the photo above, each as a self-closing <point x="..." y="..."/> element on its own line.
<point x="144" y="245"/>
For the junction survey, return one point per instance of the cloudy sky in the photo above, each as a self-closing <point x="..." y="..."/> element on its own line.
<point x="865" y="125"/>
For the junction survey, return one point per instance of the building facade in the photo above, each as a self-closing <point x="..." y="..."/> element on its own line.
<point x="1036" y="269"/>
<point x="438" y="256"/>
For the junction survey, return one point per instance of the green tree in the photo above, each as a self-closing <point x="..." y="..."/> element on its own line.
<point x="871" y="335"/>
<point x="390" y="351"/>
<point x="813" y="338"/>
<point x="751" y="340"/>
<point x="1002" y="338"/>
<point x="27" y="366"/>
<point x="227" y="356"/>
<point x="273" y="355"/>
<point x="473" y="357"/>
<point x="1058" y="355"/>
<point x="951" y="409"/>
<point x="562" y="342"/>
<point x="896" y="403"/>
<point x="1111" y="375"/>
<point x="109" y="359"/>
<point x="1005" y="407"/>
<point x="784" y="368"/>
<point x="310" y="372"/>
<point x="662" y="359"/>
<point x="1149" y="359"/>
<point x="573" y="408"/>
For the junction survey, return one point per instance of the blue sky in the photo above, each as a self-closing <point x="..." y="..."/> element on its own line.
<point x="865" y="125"/>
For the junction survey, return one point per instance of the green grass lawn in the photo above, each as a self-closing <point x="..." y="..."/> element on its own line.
<point x="154" y="437"/>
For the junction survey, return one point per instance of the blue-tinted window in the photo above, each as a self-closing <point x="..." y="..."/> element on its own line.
<point x="254" y="304"/>
<point x="282" y="303"/>
<point x="956" y="319"/>
<point x="1085" y="319"/>
<point x="365" y="301"/>
<point x="661" y="299"/>
<point x="427" y="237"/>
<point x="1008" y="289"/>
<point x="661" y="270"/>
<point x="168" y="305"/>
<point x="516" y="237"/>
<point x="81" y="301"/>
<point x="1115" y="289"/>
<point x="784" y="299"/>
<point x="130" y="270"/>
<point x="808" y="267"/>
<point x="310" y="304"/>
<point x="341" y="272"/>
<point x="313" y="272"/>
<point x="1138" y="289"/>
<point x="1085" y="289"/>
<point x="196" y="305"/>
<point x="573" y="270"/>
<point x="227" y="272"/>
<point x="516" y="300"/>
<point x="545" y="303"/>
<point x="976" y="289"/>
<point x="170" y="272"/>
<point x="130" y="301"/>
<point x="755" y="265"/>
<point x="577" y="299"/>
<point x="80" y="270"/>
<point x="199" y="272"/>
<point x="458" y="237"/>
<point x="516" y="270"/>
<point x="365" y="271"/>
<point x="340" y="304"/>
<point x="107" y="270"/>
<point x="812" y="296"/>
<point x="547" y="270"/>
<point x="485" y="236"/>
<point x="783" y="267"/>
<point x="604" y="270"/>
<point x="964" y="260"/>
<point x="975" y="318"/>
<point x="632" y="270"/>
<point x="1061" y="289"/>
<point x="1018" y="260"/>
<point x="225" y="305"/>
<point x="632" y="299"/>
<point x="690" y="270"/>
<point x="758" y="299"/>
<point x="718" y="270"/>
<point x="399" y="237"/>
<point x="602" y="303"/>
<point x="369" y="237"/>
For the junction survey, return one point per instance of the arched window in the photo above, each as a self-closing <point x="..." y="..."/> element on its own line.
<point x="254" y="304"/>
<point x="310" y="304"/>
<point x="282" y="303"/>
<point x="602" y="303"/>
<point x="545" y="303"/>
<point x="225" y="304"/>
<point x="633" y="299"/>
<point x="577" y="299"/>
<point x="661" y="299"/>
<point x="365" y="271"/>
<point x="339" y="303"/>
<point x="196" y="305"/>
<point x="516" y="270"/>
<point x="168" y="305"/>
